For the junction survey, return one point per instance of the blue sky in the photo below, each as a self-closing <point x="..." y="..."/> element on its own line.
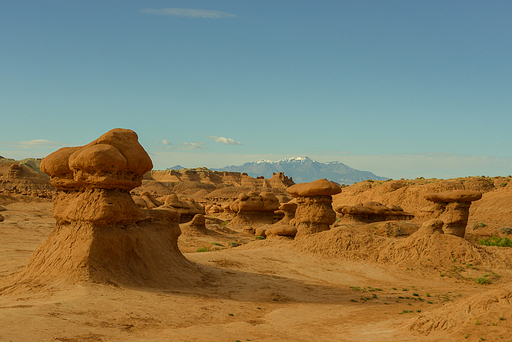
<point x="399" y="88"/>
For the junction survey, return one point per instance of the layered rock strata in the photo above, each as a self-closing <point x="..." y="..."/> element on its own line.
<point x="101" y="235"/>
<point x="452" y="207"/>
<point x="371" y="211"/>
<point x="254" y="208"/>
<point x="314" y="206"/>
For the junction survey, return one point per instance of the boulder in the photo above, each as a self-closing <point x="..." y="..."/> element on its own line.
<point x="280" y="230"/>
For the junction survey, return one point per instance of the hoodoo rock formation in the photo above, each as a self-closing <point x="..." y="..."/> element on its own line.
<point x="187" y="207"/>
<point x="254" y="208"/>
<point x="314" y="206"/>
<point x="101" y="235"/>
<point x="196" y="227"/>
<point x="452" y="207"/>
<point x="288" y="210"/>
<point x="371" y="211"/>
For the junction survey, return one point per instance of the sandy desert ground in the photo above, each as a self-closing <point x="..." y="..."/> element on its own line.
<point x="270" y="290"/>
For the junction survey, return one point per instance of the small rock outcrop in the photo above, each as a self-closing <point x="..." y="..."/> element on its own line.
<point x="254" y="208"/>
<point x="196" y="227"/>
<point x="281" y="230"/>
<point x="452" y="207"/>
<point x="187" y="207"/>
<point x="371" y="211"/>
<point x="314" y="206"/>
<point x="288" y="210"/>
<point x="434" y="226"/>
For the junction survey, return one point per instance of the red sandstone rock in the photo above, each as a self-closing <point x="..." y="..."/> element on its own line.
<point x="454" y="196"/>
<point x="101" y="235"/>
<point x="320" y="187"/>
<point x="452" y="207"/>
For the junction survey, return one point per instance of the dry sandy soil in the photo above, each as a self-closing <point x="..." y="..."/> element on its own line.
<point x="339" y="286"/>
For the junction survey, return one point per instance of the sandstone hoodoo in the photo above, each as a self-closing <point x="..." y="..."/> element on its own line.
<point x="101" y="235"/>
<point x="314" y="206"/>
<point x="372" y="211"/>
<point x="452" y="207"/>
<point x="288" y="210"/>
<point x="196" y="227"/>
<point x="254" y="208"/>
<point x="187" y="207"/>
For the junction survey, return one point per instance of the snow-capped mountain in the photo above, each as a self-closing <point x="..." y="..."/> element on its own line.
<point x="304" y="169"/>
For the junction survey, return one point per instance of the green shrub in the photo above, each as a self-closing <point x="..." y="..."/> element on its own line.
<point x="259" y="237"/>
<point x="479" y="225"/>
<point x="204" y="249"/>
<point x="482" y="281"/>
<point x="505" y="230"/>
<point x="496" y="241"/>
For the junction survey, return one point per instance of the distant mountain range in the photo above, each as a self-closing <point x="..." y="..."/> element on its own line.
<point x="304" y="169"/>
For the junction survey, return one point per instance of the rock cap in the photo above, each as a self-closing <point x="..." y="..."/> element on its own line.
<point x="320" y="187"/>
<point x="454" y="196"/>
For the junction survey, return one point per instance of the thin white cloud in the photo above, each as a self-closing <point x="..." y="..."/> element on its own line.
<point x="222" y="140"/>
<point x="37" y="143"/>
<point x="189" y="13"/>
<point x="192" y="146"/>
<point x="199" y="145"/>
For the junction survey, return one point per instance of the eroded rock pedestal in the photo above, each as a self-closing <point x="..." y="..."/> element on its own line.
<point x="101" y="235"/>
<point x="452" y="207"/>
<point x="314" y="211"/>
<point x="254" y="208"/>
<point x="371" y="211"/>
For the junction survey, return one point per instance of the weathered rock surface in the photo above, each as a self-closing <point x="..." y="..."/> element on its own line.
<point x="255" y="208"/>
<point x="17" y="178"/>
<point x="101" y="235"/>
<point x="280" y="230"/>
<point x="196" y="227"/>
<point x="372" y="211"/>
<point x="452" y="207"/>
<point x="314" y="206"/>
<point x="288" y="210"/>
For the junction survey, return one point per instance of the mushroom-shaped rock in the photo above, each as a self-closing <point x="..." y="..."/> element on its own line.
<point x="254" y="208"/>
<point x="372" y="211"/>
<point x="314" y="206"/>
<point x="101" y="235"/>
<point x="452" y="207"/>
<point x="187" y="207"/>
